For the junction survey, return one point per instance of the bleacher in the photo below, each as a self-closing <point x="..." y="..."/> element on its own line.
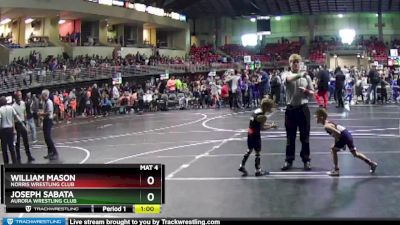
<point x="282" y="51"/>
<point x="204" y="54"/>
<point x="377" y="51"/>
<point x="272" y="52"/>
<point x="38" y="41"/>
<point x="317" y="56"/>
<point x="7" y="42"/>
<point x="238" y="51"/>
<point x="318" y="52"/>
<point x="11" y="45"/>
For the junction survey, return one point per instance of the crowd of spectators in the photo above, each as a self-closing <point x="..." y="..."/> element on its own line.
<point x="237" y="52"/>
<point x="6" y="40"/>
<point x="203" y="54"/>
<point x="237" y="88"/>
<point x="275" y="52"/>
<point x="377" y="50"/>
<point x="282" y="51"/>
<point x="22" y="72"/>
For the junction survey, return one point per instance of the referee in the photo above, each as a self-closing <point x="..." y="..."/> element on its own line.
<point x="7" y="115"/>
<point x="297" y="115"/>
<point x="48" y="115"/>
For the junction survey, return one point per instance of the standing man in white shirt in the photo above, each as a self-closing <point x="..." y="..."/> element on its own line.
<point x="297" y="115"/>
<point x="20" y="127"/>
<point x="115" y="93"/>
<point x="7" y="115"/>
<point x="48" y="114"/>
<point x="233" y="81"/>
<point x="30" y="117"/>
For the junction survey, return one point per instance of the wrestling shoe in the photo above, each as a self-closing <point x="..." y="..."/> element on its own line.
<point x="261" y="173"/>
<point x="334" y="173"/>
<point x="243" y="170"/>
<point x="373" y="167"/>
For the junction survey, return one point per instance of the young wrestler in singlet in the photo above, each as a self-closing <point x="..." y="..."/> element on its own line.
<point x="342" y="138"/>
<point x="257" y="123"/>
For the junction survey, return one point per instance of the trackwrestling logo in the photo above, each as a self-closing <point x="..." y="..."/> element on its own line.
<point x="33" y="221"/>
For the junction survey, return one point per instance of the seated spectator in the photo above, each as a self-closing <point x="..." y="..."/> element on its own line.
<point x="171" y="85"/>
<point x="148" y="97"/>
<point x="105" y="105"/>
<point x="123" y="103"/>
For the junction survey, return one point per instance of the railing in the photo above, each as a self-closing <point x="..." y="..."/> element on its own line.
<point x="39" y="78"/>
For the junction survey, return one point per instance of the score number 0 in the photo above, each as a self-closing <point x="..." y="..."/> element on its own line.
<point x="150" y="181"/>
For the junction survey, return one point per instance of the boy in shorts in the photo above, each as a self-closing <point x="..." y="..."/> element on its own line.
<point x="257" y="123"/>
<point x="342" y="138"/>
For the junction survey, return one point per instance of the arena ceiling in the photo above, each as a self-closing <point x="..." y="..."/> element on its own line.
<point x="194" y="8"/>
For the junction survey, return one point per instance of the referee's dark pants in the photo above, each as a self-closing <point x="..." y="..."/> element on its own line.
<point x="7" y="140"/>
<point x="297" y="117"/>
<point x="47" y="125"/>
<point x="21" y="131"/>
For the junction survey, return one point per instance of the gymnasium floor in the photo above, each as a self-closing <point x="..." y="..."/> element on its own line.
<point x="202" y="150"/>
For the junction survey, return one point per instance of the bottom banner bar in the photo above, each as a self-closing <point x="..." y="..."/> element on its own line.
<point x="141" y="221"/>
<point x="208" y="221"/>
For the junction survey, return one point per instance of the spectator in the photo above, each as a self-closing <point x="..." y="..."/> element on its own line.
<point x="339" y="86"/>
<point x="373" y="78"/>
<point x="48" y="114"/>
<point x="35" y="109"/>
<point x="225" y="93"/>
<point x="171" y="85"/>
<point x="20" y="127"/>
<point x="30" y="116"/>
<point x="115" y="93"/>
<point x="359" y="89"/>
<point x="265" y="84"/>
<point x="179" y="85"/>
<point x="384" y="95"/>
<point x="232" y="80"/>
<point x="323" y="86"/>
<point x="73" y="107"/>
<point x="105" y="105"/>
<point x="276" y="88"/>
<point x="7" y="115"/>
<point x="95" y="98"/>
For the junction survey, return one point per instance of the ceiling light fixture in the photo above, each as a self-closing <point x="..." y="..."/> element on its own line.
<point x="29" y="20"/>
<point x="5" y="21"/>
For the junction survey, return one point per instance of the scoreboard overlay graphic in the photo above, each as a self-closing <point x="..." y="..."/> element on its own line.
<point x="95" y="188"/>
